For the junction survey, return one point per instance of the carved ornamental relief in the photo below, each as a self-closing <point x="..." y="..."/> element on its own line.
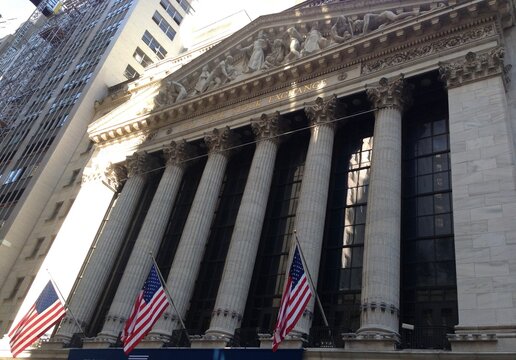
<point x="221" y="140"/>
<point x="322" y="112"/>
<point x="177" y="153"/>
<point x="474" y="67"/>
<point x="273" y="49"/>
<point x="392" y="93"/>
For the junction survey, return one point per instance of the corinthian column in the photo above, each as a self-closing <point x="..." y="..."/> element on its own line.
<point x="311" y="211"/>
<point x="187" y="260"/>
<point x="84" y="299"/>
<point x="381" y="268"/>
<point x="135" y="270"/>
<point x="238" y="270"/>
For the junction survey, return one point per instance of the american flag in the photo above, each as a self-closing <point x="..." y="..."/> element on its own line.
<point x="150" y="303"/>
<point x="46" y="311"/>
<point x="295" y="298"/>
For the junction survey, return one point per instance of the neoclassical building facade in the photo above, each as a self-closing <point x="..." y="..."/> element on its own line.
<point x="379" y="132"/>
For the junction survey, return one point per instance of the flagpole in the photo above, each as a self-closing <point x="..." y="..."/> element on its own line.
<point x="311" y="282"/>
<point x="168" y="295"/>
<point x="65" y="302"/>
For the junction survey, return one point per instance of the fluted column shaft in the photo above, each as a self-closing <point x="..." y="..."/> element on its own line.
<point x="96" y="273"/>
<point x="238" y="269"/>
<point x="190" y="251"/>
<point x="149" y="240"/>
<point x="381" y="266"/>
<point x="311" y="211"/>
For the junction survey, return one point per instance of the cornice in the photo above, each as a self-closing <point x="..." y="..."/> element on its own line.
<point x="407" y="41"/>
<point x="474" y="67"/>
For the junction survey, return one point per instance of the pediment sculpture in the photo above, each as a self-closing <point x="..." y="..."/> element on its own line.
<point x="271" y="48"/>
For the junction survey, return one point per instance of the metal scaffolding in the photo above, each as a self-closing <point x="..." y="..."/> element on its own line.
<point x="30" y="56"/>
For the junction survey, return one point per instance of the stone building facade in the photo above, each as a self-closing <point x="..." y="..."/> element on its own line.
<point x="378" y="132"/>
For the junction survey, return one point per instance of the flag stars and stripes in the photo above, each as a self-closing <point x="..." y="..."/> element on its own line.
<point x="294" y="301"/>
<point x="150" y="304"/>
<point x="46" y="311"/>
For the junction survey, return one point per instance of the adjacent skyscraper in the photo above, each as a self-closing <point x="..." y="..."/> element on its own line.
<point x="50" y="80"/>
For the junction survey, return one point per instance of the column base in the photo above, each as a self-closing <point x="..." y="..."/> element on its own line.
<point x="370" y="341"/>
<point x="50" y="354"/>
<point x="52" y="344"/>
<point x="99" y="342"/>
<point x="154" y="340"/>
<point x="209" y="342"/>
<point x="483" y="339"/>
<point x="294" y="341"/>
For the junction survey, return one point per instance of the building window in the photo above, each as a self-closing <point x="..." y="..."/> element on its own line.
<point x="185" y="5"/>
<point x="210" y="273"/>
<point x="340" y="277"/>
<point x="73" y="177"/>
<point x="271" y="261"/>
<point x="174" y="14"/>
<point x="428" y="282"/>
<point x="141" y="58"/>
<point x="57" y="207"/>
<point x="68" y="207"/>
<point x="15" y="289"/>
<point x="164" y="25"/>
<point x="129" y="73"/>
<point x="14" y="175"/>
<point x="154" y="45"/>
<point x="36" y="248"/>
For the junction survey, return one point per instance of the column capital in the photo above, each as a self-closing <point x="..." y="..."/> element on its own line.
<point x="322" y="112"/>
<point x="389" y="93"/>
<point x="474" y="67"/>
<point x="178" y="152"/>
<point x="267" y="127"/>
<point x="220" y="140"/>
<point x="116" y="175"/>
<point x="139" y="163"/>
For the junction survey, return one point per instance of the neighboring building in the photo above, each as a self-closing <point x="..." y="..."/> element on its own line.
<point x="381" y="134"/>
<point x="48" y="87"/>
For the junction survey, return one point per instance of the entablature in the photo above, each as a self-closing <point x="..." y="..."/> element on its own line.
<point x="437" y="30"/>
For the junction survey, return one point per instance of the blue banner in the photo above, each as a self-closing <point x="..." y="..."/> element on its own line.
<point x="185" y="354"/>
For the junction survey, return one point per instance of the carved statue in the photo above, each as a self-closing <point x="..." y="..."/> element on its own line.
<point x="314" y="42"/>
<point x="342" y="30"/>
<point x="378" y="21"/>
<point x="293" y="39"/>
<point x="223" y="73"/>
<point x="255" y="53"/>
<point x="277" y="55"/>
<point x="202" y="82"/>
<point x="171" y="93"/>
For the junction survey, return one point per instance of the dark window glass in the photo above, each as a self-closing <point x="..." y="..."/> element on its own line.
<point x="117" y="270"/>
<point x="15" y="289"/>
<point x="271" y="262"/>
<point x="428" y="287"/>
<point x="340" y="276"/>
<point x="142" y="58"/>
<point x="210" y="273"/>
<point x="154" y="45"/>
<point x="164" y="25"/>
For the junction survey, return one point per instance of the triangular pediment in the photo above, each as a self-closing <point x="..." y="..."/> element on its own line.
<point x="277" y="50"/>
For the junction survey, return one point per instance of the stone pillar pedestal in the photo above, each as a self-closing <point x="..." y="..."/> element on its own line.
<point x="187" y="261"/>
<point x="292" y="341"/>
<point x="89" y="289"/>
<point x="311" y="211"/>
<point x="238" y="270"/>
<point x="381" y="272"/>
<point x="149" y="239"/>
